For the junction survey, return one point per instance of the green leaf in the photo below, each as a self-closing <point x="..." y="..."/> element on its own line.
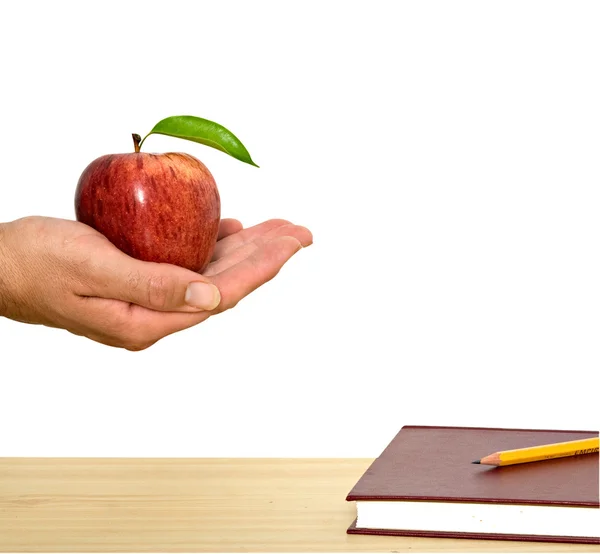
<point x="203" y="131"/>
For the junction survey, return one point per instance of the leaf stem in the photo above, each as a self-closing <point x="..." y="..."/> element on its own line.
<point x="136" y="141"/>
<point x="142" y="142"/>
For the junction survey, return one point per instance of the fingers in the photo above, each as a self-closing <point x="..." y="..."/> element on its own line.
<point x="268" y="229"/>
<point x="131" y="326"/>
<point x="135" y="327"/>
<point x="233" y="258"/>
<point x="161" y="287"/>
<point x="235" y="283"/>
<point x="239" y="280"/>
<point x="168" y="288"/>
<point x="229" y="227"/>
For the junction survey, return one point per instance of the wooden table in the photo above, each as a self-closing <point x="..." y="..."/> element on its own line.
<point x="198" y="505"/>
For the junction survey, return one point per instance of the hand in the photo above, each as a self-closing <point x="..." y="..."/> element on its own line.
<point x="64" y="274"/>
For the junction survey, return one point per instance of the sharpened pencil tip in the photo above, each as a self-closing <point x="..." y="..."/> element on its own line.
<point x="476" y="462"/>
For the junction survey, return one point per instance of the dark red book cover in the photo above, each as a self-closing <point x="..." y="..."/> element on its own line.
<point x="432" y="464"/>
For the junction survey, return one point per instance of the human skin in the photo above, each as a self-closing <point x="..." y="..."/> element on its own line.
<point x="62" y="273"/>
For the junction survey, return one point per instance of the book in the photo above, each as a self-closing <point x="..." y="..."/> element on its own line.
<point x="425" y="484"/>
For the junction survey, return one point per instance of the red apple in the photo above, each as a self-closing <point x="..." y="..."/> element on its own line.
<point x="154" y="207"/>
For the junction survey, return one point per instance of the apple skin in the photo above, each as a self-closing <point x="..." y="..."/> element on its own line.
<point x="161" y="208"/>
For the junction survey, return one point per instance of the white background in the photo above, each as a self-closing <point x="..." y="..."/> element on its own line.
<point x="445" y="156"/>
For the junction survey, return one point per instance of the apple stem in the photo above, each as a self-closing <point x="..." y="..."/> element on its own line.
<point x="136" y="141"/>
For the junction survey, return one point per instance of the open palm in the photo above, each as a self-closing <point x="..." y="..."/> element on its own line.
<point x="62" y="273"/>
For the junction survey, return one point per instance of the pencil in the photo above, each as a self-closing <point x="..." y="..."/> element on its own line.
<point x="542" y="452"/>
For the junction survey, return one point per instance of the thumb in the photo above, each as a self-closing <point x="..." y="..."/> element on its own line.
<point x="156" y="286"/>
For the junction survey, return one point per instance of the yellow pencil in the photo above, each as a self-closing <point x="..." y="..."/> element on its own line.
<point x="542" y="452"/>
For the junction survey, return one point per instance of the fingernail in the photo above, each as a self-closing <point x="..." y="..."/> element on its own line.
<point x="202" y="295"/>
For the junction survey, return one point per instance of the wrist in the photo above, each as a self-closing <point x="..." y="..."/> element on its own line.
<point x="3" y="273"/>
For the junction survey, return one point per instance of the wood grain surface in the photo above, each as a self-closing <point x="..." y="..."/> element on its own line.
<point x="199" y="505"/>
